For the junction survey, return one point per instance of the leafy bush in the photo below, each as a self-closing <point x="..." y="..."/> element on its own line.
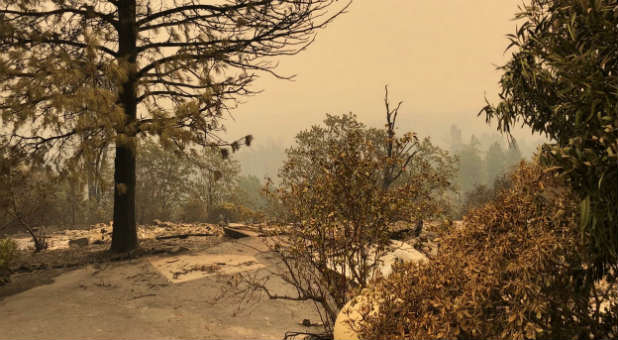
<point x="232" y="212"/>
<point x="475" y="198"/>
<point x="193" y="210"/>
<point x="8" y="250"/>
<point x="341" y="186"/>
<point x="187" y="185"/>
<point x="513" y="271"/>
<point x="561" y="81"/>
<point x="33" y="194"/>
<point x="27" y="195"/>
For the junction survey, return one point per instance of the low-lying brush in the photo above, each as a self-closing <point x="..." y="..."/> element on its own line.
<point x="8" y="251"/>
<point x="515" y="271"/>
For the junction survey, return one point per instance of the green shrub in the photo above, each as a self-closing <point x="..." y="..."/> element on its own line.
<point x="514" y="271"/>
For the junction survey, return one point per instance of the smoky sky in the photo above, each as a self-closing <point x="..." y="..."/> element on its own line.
<point x="438" y="57"/>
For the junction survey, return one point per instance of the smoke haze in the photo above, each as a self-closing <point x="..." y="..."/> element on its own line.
<point x="438" y="57"/>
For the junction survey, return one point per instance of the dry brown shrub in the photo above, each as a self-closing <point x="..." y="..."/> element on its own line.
<point x="341" y="187"/>
<point x="8" y="252"/>
<point x="513" y="272"/>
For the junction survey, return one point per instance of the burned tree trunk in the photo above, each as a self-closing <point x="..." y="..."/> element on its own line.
<point x="124" y="236"/>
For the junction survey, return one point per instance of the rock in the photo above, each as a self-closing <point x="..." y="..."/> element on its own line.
<point x="78" y="242"/>
<point x="351" y="313"/>
<point x="400" y="251"/>
<point x="397" y="251"/>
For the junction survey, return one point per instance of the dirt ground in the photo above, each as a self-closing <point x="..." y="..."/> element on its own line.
<point x="172" y="289"/>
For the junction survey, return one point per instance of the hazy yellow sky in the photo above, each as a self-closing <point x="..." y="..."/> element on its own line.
<point x="438" y="56"/>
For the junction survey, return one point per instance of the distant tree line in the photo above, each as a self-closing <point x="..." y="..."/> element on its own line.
<point x="203" y="188"/>
<point x="482" y="165"/>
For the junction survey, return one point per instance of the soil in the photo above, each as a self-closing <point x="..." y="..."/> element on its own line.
<point x="170" y="288"/>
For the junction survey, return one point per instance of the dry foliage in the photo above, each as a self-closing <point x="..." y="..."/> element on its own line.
<point x="27" y="198"/>
<point x="483" y="194"/>
<point x="8" y="250"/>
<point x="75" y="75"/>
<point x="33" y="193"/>
<point x="513" y="272"/>
<point x="561" y="81"/>
<point x="341" y="186"/>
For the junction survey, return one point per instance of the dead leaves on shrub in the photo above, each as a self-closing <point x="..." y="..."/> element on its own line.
<point x="513" y="272"/>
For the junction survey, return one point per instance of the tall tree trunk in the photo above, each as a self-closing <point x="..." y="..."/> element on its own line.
<point x="95" y="174"/>
<point x="92" y="188"/>
<point x="124" y="237"/>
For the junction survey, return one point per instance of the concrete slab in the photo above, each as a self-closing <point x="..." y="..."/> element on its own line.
<point x="185" y="268"/>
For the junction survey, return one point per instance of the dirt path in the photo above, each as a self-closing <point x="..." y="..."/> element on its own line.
<point x="135" y="299"/>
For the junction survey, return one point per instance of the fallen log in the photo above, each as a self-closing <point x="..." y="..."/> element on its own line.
<point x="183" y="236"/>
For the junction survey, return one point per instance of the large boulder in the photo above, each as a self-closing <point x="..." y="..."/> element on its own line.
<point x="349" y="315"/>
<point x="399" y="251"/>
<point x="396" y="251"/>
<point x="352" y="311"/>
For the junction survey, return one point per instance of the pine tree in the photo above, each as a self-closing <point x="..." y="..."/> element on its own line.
<point x="173" y="69"/>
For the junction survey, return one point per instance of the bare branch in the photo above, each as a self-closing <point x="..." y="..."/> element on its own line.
<point x="219" y="10"/>
<point x="21" y="41"/>
<point x="87" y="13"/>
